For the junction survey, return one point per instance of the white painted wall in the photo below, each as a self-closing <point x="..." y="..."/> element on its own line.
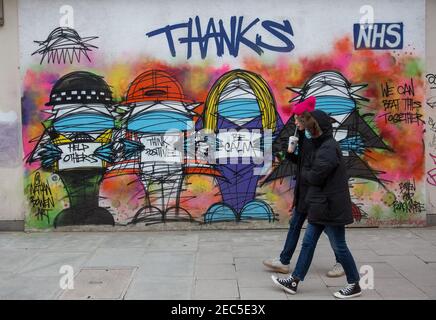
<point x="11" y="169"/>
<point x="314" y="29"/>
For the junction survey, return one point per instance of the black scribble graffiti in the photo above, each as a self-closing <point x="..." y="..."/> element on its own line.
<point x="408" y="204"/>
<point x="431" y="102"/>
<point x="41" y="197"/>
<point x="64" y="44"/>
<point x="431" y="124"/>
<point x="431" y="79"/>
<point x="405" y="109"/>
<point x="431" y="174"/>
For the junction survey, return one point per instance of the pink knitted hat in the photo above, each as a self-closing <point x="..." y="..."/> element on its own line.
<point x="307" y="105"/>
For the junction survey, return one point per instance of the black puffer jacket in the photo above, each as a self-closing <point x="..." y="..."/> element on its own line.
<point x="328" y="197"/>
<point x="305" y="147"/>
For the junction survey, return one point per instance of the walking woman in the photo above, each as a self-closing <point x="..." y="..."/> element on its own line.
<point x="299" y="208"/>
<point x="329" y="205"/>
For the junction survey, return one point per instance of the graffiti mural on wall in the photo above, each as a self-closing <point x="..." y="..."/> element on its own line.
<point x="81" y="139"/>
<point x="128" y="138"/>
<point x="194" y="130"/>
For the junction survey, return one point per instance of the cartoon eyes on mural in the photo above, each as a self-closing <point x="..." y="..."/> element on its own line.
<point x="64" y="44"/>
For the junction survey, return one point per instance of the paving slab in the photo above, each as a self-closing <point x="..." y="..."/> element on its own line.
<point x="12" y="260"/>
<point x="215" y="289"/>
<point x="215" y="271"/>
<point x="49" y="264"/>
<point x="211" y="264"/>
<point x="250" y="279"/>
<point x="160" y="288"/>
<point x="186" y="242"/>
<point x="401" y="289"/>
<point x="214" y="257"/>
<point x="127" y="240"/>
<point x="116" y="257"/>
<point x="99" y="284"/>
<point x="18" y="287"/>
<point x="220" y="246"/>
<point x="177" y="264"/>
<point x="263" y="293"/>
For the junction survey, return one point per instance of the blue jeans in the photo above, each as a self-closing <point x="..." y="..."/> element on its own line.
<point x="295" y="225"/>
<point x="336" y="236"/>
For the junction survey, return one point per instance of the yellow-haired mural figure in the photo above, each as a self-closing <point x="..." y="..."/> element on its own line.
<point x="239" y="109"/>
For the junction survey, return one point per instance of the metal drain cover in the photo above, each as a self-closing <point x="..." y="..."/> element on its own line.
<point x="100" y="284"/>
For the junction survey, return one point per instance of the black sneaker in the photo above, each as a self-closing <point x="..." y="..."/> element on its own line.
<point x="350" y="291"/>
<point x="290" y="284"/>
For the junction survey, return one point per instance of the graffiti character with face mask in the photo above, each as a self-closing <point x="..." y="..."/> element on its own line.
<point x="76" y="145"/>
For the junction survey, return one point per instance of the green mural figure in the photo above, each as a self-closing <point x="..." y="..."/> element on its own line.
<point x="77" y="145"/>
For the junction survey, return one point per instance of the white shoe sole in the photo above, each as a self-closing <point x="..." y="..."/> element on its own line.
<point x="340" y="296"/>
<point x="276" y="269"/>
<point x="336" y="275"/>
<point x="274" y="279"/>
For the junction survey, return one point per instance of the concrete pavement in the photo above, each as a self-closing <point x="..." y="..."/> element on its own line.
<point x="202" y="265"/>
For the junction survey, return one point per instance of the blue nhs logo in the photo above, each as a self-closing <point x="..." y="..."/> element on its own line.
<point x="380" y="36"/>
